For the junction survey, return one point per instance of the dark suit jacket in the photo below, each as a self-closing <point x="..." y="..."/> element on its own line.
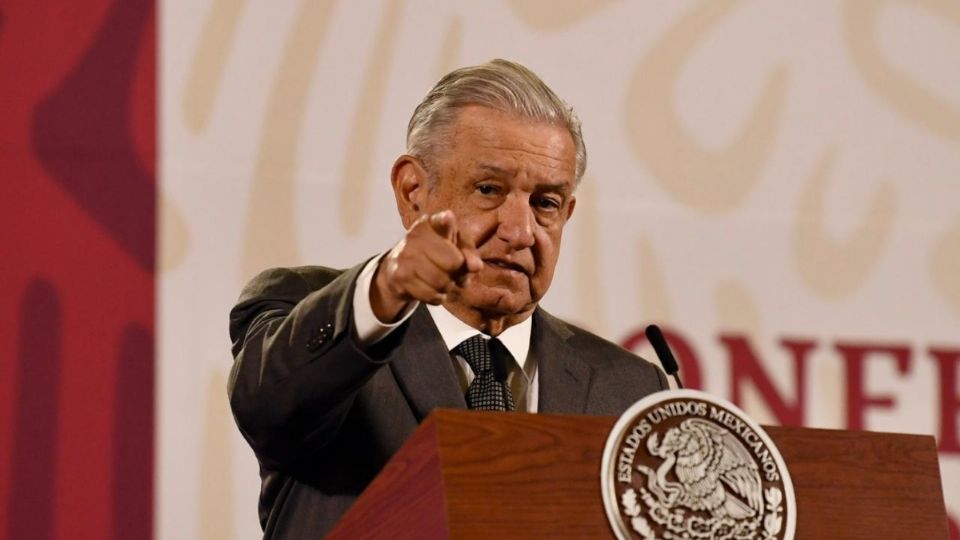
<point x="324" y="416"/>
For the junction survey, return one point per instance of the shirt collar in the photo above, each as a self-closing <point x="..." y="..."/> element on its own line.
<point x="454" y="332"/>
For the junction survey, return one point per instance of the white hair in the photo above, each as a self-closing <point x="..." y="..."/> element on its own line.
<point x="501" y="85"/>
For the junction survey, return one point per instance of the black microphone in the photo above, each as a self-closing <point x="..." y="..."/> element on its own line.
<point x="669" y="363"/>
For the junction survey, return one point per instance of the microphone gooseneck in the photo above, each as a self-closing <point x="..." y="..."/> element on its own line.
<point x="667" y="360"/>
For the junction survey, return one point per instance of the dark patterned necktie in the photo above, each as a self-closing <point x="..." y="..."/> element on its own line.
<point x="487" y="392"/>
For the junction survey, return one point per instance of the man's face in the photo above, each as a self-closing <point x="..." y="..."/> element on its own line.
<point x="510" y="183"/>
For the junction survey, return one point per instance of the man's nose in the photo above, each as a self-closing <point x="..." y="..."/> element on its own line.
<point x="516" y="223"/>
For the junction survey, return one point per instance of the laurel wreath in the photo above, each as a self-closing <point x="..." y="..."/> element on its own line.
<point x="772" y="522"/>
<point x="632" y="508"/>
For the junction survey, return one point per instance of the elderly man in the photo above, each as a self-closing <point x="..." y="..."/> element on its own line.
<point x="335" y="369"/>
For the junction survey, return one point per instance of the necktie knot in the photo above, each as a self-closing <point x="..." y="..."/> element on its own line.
<point x="476" y="351"/>
<point x="488" y="391"/>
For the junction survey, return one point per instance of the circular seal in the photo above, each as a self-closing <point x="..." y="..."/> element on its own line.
<point x="686" y="465"/>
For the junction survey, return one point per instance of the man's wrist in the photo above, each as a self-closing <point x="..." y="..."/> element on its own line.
<point x="370" y="328"/>
<point x="386" y="306"/>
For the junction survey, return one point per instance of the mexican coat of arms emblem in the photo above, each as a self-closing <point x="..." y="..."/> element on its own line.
<point x="683" y="465"/>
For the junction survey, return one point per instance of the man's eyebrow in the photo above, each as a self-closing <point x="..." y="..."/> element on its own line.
<point x="498" y="170"/>
<point x="495" y="170"/>
<point x="563" y="188"/>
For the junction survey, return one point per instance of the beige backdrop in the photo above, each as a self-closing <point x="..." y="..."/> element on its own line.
<point x="760" y="168"/>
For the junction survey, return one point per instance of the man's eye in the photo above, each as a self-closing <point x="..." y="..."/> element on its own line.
<point x="546" y="203"/>
<point x="486" y="189"/>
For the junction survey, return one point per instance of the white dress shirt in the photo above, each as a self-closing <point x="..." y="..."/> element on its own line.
<point x="523" y="377"/>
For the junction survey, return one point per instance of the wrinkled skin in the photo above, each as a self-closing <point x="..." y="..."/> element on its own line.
<point x="484" y="235"/>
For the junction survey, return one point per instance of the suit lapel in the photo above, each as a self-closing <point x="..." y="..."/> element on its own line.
<point x="564" y="377"/>
<point x="425" y="373"/>
<point x="423" y="368"/>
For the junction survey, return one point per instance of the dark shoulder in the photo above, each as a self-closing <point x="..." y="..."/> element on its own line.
<point x="579" y="338"/>
<point x="274" y="293"/>
<point x="291" y="283"/>
<point x="600" y="353"/>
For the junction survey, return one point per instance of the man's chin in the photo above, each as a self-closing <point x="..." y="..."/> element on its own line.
<point x="499" y="302"/>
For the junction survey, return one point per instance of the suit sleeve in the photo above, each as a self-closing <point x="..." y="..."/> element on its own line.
<point x="297" y="361"/>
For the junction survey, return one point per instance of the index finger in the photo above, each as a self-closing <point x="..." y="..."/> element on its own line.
<point x="444" y="223"/>
<point x="471" y="257"/>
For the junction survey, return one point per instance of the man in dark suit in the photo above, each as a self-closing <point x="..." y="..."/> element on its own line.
<point x="335" y="369"/>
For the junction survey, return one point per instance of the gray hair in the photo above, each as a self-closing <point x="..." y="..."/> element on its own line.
<point x="501" y="85"/>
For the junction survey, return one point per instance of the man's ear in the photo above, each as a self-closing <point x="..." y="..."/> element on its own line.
<point x="570" y="205"/>
<point x="409" y="180"/>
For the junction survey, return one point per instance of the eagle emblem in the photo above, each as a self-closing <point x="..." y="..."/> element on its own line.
<point x="684" y="465"/>
<point x="713" y="469"/>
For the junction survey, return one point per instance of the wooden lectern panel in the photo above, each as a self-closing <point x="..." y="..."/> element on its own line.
<point x="510" y="475"/>
<point x="863" y="485"/>
<point x="543" y="475"/>
<point x="506" y="475"/>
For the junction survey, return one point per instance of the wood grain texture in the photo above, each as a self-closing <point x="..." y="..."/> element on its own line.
<point x="863" y="485"/>
<point x="509" y="475"/>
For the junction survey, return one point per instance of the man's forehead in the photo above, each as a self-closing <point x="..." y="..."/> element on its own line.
<point x="488" y="119"/>
<point x="495" y="130"/>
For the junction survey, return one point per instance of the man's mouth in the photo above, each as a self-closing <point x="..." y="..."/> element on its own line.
<point x="506" y="265"/>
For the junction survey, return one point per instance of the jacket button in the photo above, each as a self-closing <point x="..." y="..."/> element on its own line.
<point x="316" y="341"/>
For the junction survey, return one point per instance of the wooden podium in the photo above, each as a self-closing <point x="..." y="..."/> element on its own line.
<point x="508" y="475"/>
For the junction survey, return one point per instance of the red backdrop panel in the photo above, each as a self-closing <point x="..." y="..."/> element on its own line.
<point x="77" y="242"/>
